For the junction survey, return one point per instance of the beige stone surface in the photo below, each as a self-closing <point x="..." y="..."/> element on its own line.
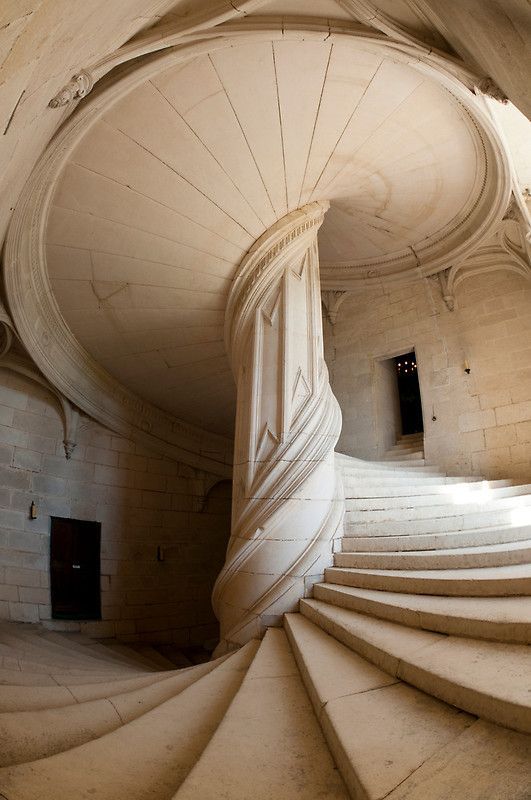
<point x="32" y="735"/>
<point x="490" y="581"/>
<point x="494" y="618"/>
<point x="486" y="761"/>
<point x="379" y="730"/>
<point x="489" y="328"/>
<point x="269" y="743"/>
<point x="141" y="500"/>
<point x="148" y="756"/>
<point x="398" y="729"/>
<point x="488" y="679"/>
<point x="157" y="206"/>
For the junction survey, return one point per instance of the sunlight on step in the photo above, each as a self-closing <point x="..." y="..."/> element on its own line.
<point x="521" y="516"/>
<point x="466" y="494"/>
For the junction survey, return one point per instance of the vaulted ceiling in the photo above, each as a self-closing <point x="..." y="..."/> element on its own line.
<point x="172" y="180"/>
<point x="160" y="201"/>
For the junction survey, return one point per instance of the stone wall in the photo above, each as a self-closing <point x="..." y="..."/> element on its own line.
<point x="483" y="420"/>
<point x="141" y="500"/>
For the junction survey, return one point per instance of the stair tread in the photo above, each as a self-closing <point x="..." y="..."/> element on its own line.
<point x="438" y="511"/>
<point x="489" y="679"/>
<point x="422" y="540"/>
<point x="492" y="609"/>
<point x="31" y="735"/>
<point x="33" y="698"/>
<point x="392" y="503"/>
<point x="397" y="727"/>
<point x="148" y="757"/>
<point x="481" y="573"/>
<point x="269" y="743"/>
<point x="514" y="579"/>
<point x="521" y="544"/>
<point x="486" y="761"/>
<point x="53" y="650"/>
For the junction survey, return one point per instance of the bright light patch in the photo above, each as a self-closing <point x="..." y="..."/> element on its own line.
<point x="521" y="516"/>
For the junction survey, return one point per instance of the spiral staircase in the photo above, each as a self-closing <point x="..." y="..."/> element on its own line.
<point x="406" y="675"/>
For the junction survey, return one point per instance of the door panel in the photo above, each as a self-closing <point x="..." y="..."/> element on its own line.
<point x="75" y="568"/>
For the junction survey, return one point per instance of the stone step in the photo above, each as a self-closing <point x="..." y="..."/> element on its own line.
<point x="78" y="642"/>
<point x="269" y="745"/>
<point x="414" y="442"/>
<point x="31" y="735"/>
<point x="488" y="679"/>
<point x="158" y="659"/>
<point x="488" y="582"/>
<point x="380" y="730"/>
<point x="146" y="758"/>
<point x="44" y="657"/>
<point x="365" y="486"/>
<point x="28" y="667"/>
<point x="456" y="522"/>
<point x="489" y="555"/>
<point x="38" y="645"/>
<point x="346" y="464"/>
<point x="439" y="510"/>
<point x="62" y="677"/>
<point x="131" y="655"/>
<point x="408" y="489"/>
<point x="375" y="468"/>
<point x="404" y="450"/>
<point x="488" y="761"/>
<point x="501" y="619"/>
<point x="34" y="698"/>
<point x="404" y="455"/>
<point x="473" y="493"/>
<point x="433" y="541"/>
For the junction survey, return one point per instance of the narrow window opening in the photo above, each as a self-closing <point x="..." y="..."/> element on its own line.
<point x="75" y="568"/>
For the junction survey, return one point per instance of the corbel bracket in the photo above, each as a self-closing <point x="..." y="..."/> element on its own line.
<point x="332" y="300"/>
<point x="447" y="287"/>
<point x="77" y="87"/>
<point x="24" y="366"/>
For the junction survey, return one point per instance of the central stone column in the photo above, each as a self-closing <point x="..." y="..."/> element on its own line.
<point x="288" y="502"/>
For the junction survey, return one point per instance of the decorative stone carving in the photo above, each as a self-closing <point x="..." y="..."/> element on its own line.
<point x="332" y="301"/>
<point x="513" y="210"/>
<point x="287" y="499"/>
<point x="489" y="87"/>
<point x="76" y="88"/>
<point x="501" y="252"/>
<point x="447" y="293"/>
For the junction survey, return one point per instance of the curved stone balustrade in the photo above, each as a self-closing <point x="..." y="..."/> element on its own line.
<point x="287" y="499"/>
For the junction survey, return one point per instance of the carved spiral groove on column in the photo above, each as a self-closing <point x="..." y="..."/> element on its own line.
<point x="287" y="502"/>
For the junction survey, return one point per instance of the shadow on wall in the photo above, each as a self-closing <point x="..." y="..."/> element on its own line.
<point x="148" y="507"/>
<point x="218" y="506"/>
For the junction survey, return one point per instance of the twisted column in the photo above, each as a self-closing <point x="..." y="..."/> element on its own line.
<point x="287" y="499"/>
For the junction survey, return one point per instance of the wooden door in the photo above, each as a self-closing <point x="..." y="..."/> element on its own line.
<point x="75" y="568"/>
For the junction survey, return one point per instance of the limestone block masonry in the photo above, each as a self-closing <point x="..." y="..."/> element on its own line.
<point x="482" y="420"/>
<point x="142" y="501"/>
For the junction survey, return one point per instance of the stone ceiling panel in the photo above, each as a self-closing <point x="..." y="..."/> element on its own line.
<point x="160" y="201"/>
